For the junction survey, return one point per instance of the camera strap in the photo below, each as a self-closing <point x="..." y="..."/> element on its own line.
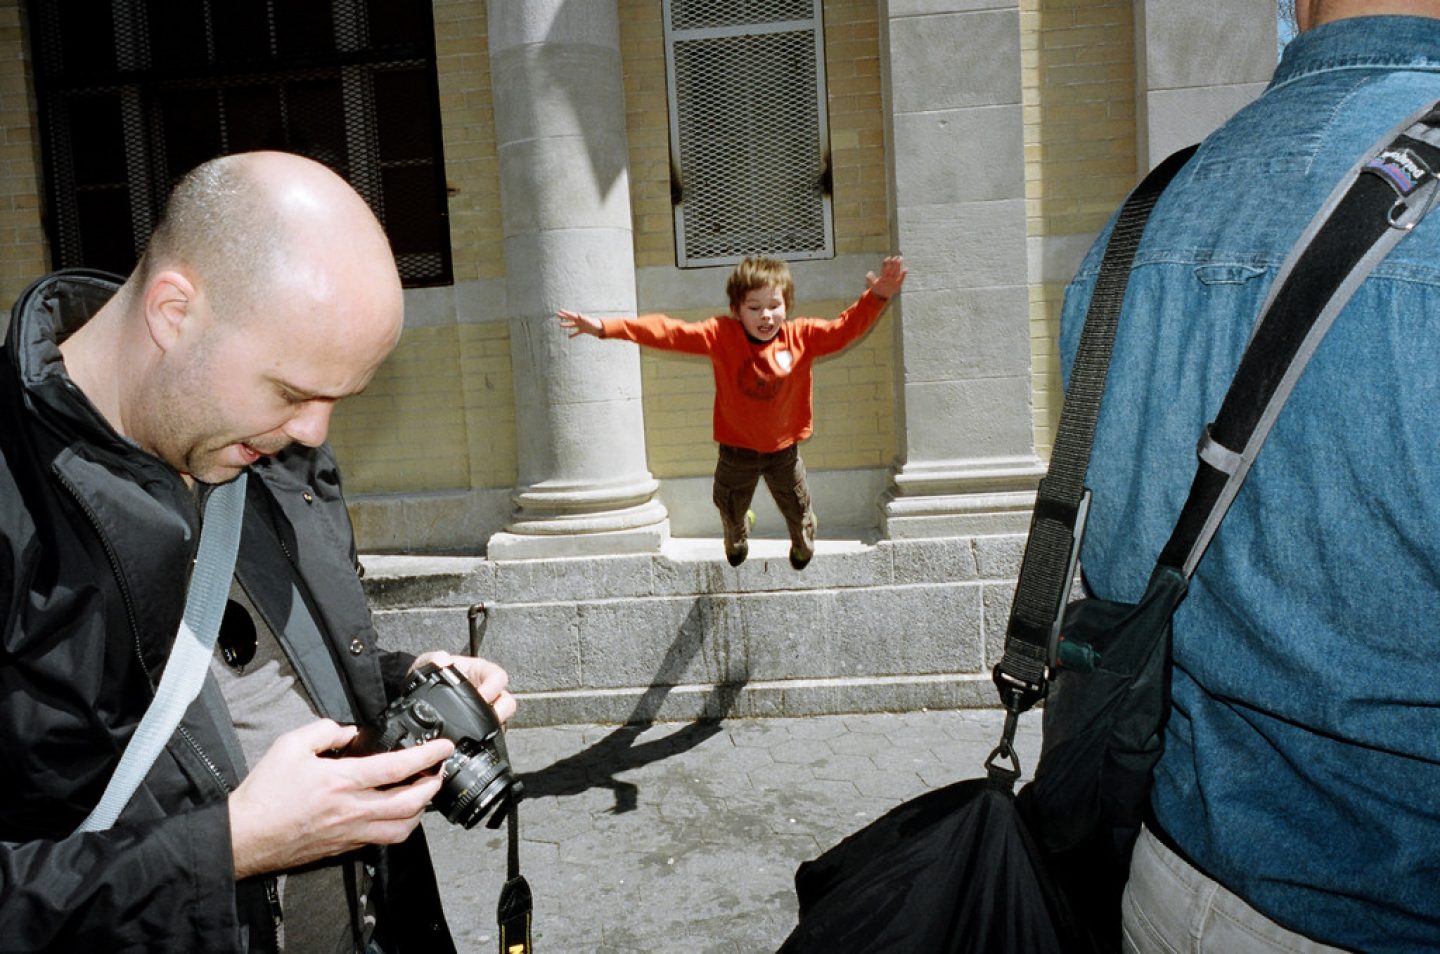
<point x="513" y="913"/>
<point x="190" y="655"/>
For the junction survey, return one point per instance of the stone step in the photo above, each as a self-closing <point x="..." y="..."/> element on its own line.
<point x="866" y="627"/>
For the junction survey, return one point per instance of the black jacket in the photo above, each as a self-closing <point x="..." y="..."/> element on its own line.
<point x="96" y="542"/>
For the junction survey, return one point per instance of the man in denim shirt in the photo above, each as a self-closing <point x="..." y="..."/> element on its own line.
<point x="1302" y="758"/>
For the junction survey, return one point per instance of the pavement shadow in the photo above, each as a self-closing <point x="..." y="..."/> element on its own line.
<point x="598" y="765"/>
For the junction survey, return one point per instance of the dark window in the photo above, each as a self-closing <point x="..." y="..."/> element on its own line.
<point x="135" y="93"/>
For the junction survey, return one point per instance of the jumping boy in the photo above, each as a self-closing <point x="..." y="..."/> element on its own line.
<point x="762" y="367"/>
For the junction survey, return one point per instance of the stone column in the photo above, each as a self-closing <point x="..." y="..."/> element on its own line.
<point x="1196" y="64"/>
<point x="560" y="130"/>
<point x="967" y="460"/>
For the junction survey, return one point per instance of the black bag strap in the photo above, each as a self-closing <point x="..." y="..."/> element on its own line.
<point x="1376" y="204"/>
<point x="1060" y="500"/>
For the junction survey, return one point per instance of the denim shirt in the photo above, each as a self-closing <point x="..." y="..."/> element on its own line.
<point x="1302" y="759"/>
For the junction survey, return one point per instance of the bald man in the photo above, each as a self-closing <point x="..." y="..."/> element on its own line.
<point x="267" y="294"/>
<point x="1296" y="807"/>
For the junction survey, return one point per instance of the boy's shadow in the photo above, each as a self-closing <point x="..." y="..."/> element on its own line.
<point x="597" y="765"/>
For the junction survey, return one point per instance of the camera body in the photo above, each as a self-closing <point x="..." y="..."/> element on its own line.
<point x="439" y="702"/>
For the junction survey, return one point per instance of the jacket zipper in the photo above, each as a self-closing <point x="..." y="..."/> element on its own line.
<point x="204" y="758"/>
<point x="277" y="914"/>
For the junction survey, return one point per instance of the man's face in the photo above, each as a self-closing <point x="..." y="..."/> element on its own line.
<point x="762" y="312"/>
<point x="240" y="390"/>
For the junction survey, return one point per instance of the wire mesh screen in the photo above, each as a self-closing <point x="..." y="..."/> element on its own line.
<point x="135" y="93"/>
<point x="748" y="131"/>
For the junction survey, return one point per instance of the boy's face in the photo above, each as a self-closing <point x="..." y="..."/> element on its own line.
<point x="762" y="312"/>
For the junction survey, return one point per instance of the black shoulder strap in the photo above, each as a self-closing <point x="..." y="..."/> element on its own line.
<point x="1378" y="202"/>
<point x="1050" y="552"/>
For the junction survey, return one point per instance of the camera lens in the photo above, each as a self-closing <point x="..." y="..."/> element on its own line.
<point x="477" y="779"/>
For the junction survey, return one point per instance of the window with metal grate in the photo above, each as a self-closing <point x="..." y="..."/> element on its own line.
<point x="749" y="136"/>
<point x="133" y="94"/>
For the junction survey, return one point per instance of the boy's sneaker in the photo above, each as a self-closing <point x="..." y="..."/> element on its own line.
<point x="800" y="558"/>
<point x="737" y="550"/>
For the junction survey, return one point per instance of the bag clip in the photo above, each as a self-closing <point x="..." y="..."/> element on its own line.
<point x="1000" y="775"/>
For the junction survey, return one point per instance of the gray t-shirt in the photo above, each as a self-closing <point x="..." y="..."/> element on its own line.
<point x="267" y="699"/>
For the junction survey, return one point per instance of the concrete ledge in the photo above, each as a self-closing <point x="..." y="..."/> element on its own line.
<point x="798" y="697"/>
<point x="897" y="625"/>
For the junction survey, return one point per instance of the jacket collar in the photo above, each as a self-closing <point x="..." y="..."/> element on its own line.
<point x="47" y="313"/>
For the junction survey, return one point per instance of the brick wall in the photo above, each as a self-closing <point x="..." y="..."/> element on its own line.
<point x="489" y="401"/>
<point x="22" y="238"/>
<point x="647" y="130"/>
<point x="1078" y="64"/>
<point x="472" y="169"/>
<point x="857" y="138"/>
<point x="407" y="431"/>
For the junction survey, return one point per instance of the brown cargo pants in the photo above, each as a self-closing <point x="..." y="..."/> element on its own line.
<point x="736" y="474"/>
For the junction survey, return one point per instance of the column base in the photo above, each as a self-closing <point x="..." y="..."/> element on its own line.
<point x="519" y="546"/>
<point x="957" y="499"/>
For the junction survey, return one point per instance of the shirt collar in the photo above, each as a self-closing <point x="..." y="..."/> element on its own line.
<point x="1393" y="42"/>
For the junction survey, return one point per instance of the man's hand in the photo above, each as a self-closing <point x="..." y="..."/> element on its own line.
<point x="488" y="679"/>
<point x="578" y="324"/>
<point x="297" y="805"/>
<point x="892" y="276"/>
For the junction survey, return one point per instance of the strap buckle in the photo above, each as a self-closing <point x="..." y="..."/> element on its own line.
<point x="1017" y="692"/>
<point x="1405" y="216"/>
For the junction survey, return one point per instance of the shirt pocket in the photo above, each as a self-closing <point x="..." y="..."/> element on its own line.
<point x="1227" y="274"/>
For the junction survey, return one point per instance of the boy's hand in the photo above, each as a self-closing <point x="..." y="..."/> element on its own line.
<point x="892" y="276"/>
<point x="578" y="324"/>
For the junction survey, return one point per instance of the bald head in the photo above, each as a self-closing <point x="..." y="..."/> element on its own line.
<point x="268" y="294"/>
<point x="250" y="227"/>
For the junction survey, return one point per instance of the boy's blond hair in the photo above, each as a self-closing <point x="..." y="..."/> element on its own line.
<point x="753" y="273"/>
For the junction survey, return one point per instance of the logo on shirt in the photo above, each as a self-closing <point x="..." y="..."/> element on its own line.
<point x="785" y="359"/>
<point x="756" y="384"/>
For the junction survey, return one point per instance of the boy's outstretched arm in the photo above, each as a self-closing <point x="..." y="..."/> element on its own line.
<point x="578" y="324"/>
<point x="892" y="276"/>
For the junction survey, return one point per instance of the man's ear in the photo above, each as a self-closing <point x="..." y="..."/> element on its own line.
<point x="168" y="303"/>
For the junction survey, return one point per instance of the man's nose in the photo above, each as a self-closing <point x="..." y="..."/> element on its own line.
<point x="310" y="424"/>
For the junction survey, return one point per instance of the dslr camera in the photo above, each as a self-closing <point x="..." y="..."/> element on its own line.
<point x="439" y="702"/>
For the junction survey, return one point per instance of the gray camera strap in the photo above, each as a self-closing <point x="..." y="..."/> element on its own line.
<point x="189" y="657"/>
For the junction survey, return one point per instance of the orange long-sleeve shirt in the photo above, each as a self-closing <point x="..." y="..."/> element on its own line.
<point x="762" y="391"/>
